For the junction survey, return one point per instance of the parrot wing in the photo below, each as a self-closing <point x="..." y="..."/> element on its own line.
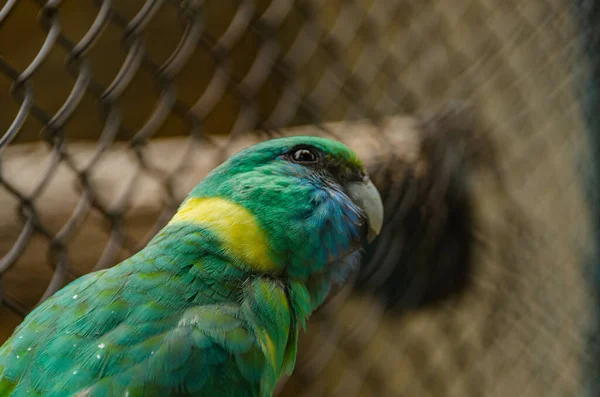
<point x="115" y="341"/>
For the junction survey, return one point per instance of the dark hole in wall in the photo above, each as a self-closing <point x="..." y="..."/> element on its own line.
<point x="424" y="255"/>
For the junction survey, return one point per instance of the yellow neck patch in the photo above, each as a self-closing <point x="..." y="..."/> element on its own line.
<point x="237" y="228"/>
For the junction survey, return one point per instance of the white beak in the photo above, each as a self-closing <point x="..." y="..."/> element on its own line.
<point x="366" y="196"/>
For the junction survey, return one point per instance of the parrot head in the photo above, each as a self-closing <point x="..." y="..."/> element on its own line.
<point x="297" y="208"/>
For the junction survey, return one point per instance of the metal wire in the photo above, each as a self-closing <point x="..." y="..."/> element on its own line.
<point x="477" y="287"/>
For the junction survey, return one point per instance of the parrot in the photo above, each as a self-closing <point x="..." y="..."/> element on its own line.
<point x="214" y="303"/>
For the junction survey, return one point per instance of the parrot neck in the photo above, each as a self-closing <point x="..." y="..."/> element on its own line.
<point x="234" y="230"/>
<point x="224" y="240"/>
<point x="215" y="239"/>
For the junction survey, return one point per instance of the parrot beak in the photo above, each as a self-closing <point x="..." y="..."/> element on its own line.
<point x="365" y="195"/>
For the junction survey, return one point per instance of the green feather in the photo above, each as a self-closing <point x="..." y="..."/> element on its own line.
<point x="291" y="348"/>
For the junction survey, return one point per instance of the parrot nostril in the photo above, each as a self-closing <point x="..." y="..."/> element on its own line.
<point x="359" y="176"/>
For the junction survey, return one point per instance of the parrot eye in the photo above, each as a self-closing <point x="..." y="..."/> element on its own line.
<point x="304" y="156"/>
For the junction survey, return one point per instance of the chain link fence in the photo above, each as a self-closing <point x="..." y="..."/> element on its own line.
<point x="474" y="120"/>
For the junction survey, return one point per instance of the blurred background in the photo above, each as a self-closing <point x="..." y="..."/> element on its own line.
<point x="478" y="121"/>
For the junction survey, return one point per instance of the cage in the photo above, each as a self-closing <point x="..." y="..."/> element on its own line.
<point x="477" y="120"/>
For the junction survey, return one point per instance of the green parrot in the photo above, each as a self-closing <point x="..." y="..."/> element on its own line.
<point x="212" y="306"/>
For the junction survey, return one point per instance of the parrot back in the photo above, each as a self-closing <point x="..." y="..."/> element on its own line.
<point x="142" y="329"/>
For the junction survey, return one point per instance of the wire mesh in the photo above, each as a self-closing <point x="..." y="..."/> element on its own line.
<point x="113" y="110"/>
